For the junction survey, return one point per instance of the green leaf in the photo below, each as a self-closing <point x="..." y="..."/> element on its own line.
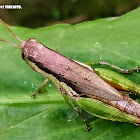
<point x="48" y="117"/>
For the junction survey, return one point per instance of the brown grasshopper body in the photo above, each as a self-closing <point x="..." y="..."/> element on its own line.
<point x="81" y="79"/>
<point x="72" y="77"/>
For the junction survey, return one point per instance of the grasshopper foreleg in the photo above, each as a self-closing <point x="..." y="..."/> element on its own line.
<point x="40" y="88"/>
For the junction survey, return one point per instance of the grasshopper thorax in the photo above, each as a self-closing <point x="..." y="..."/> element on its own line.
<point x="24" y="45"/>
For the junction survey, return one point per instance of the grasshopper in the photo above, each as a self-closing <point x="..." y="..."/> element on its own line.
<point x="80" y="85"/>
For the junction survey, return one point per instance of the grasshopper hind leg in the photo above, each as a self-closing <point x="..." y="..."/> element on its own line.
<point x="65" y="90"/>
<point x="83" y="118"/>
<point x="73" y="104"/>
<point x="137" y="69"/>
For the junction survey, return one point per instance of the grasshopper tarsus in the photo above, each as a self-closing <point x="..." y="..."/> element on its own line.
<point x="87" y="129"/>
<point x="136" y="69"/>
<point x="33" y="94"/>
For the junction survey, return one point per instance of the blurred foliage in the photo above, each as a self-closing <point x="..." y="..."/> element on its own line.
<point x="39" y="13"/>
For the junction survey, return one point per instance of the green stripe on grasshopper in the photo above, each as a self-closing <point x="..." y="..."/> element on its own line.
<point x="116" y="80"/>
<point x="104" y="111"/>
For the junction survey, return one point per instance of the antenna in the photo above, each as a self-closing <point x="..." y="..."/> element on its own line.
<point x="10" y="43"/>
<point x="9" y="31"/>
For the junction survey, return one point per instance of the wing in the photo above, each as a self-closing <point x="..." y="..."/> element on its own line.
<point x="84" y="80"/>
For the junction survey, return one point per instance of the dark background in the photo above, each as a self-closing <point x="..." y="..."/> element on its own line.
<point x="39" y="13"/>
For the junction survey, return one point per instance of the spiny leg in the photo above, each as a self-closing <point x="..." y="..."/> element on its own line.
<point x="115" y="67"/>
<point x="83" y="118"/>
<point x="72" y="103"/>
<point x="40" y="88"/>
